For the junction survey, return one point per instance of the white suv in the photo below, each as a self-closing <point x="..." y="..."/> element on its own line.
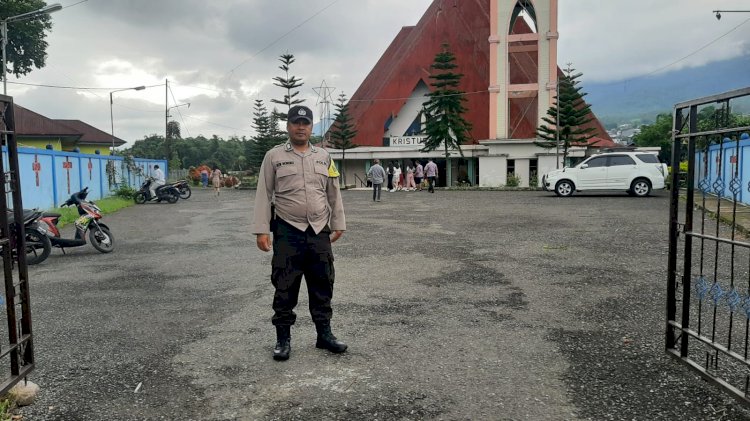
<point x="635" y="172"/>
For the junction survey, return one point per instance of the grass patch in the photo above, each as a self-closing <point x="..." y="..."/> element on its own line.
<point x="107" y="205"/>
<point x="5" y="409"/>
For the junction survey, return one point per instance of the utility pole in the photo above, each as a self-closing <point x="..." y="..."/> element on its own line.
<point x="167" y="147"/>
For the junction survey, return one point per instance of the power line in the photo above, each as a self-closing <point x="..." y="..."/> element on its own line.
<point x="75" y="4"/>
<point x="282" y="36"/>
<point x="81" y="88"/>
<point x="179" y="112"/>
<point x="678" y="60"/>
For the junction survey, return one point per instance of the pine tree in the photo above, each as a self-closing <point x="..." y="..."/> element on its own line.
<point x="267" y="135"/>
<point x="173" y="132"/>
<point x="574" y="114"/>
<point x="288" y="83"/>
<point x="342" y="132"/>
<point x="444" y="121"/>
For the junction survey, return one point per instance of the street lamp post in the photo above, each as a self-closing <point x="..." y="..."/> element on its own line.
<point x="719" y="12"/>
<point x="111" y="115"/>
<point x="4" y="32"/>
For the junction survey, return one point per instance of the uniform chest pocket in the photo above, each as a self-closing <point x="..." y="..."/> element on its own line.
<point x="287" y="178"/>
<point x="321" y="170"/>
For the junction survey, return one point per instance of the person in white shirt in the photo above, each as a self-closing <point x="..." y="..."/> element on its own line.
<point x="397" y="177"/>
<point x="158" y="181"/>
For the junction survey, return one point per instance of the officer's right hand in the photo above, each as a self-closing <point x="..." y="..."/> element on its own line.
<point x="263" y="241"/>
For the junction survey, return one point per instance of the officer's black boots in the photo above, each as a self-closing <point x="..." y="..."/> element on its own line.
<point x="283" y="343"/>
<point x="326" y="340"/>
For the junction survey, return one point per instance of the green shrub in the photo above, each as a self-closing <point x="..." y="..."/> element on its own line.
<point x="124" y="190"/>
<point x="513" y="180"/>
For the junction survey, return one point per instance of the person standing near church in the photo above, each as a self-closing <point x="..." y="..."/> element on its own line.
<point x="431" y="172"/>
<point x="419" y="175"/>
<point x="377" y="175"/>
<point x="301" y="181"/>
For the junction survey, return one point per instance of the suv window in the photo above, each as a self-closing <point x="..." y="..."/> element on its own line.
<point x="597" y="162"/>
<point x="615" y="160"/>
<point x="648" y="158"/>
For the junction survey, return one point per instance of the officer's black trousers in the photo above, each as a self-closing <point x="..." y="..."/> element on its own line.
<point x="297" y="253"/>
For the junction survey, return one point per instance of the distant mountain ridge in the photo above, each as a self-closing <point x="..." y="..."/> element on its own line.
<point x="643" y="98"/>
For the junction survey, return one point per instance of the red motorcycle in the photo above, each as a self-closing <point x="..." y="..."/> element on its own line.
<point x="99" y="234"/>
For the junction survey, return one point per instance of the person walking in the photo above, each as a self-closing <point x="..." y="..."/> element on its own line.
<point x="431" y="172"/>
<point x="389" y="173"/>
<point x="204" y="177"/>
<point x="419" y="175"/>
<point x="216" y="180"/>
<point x="410" y="179"/>
<point x="377" y="175"/>
<point x="299" y="201"/>
<point x="397" y="177"/>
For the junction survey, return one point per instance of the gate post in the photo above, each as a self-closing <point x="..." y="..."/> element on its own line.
<point x="673" y="231"/>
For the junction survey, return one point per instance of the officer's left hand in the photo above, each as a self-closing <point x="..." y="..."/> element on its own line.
<point x="335" y="235"/>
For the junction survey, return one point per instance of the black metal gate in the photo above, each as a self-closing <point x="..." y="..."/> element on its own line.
<point x="708" y="289"/>
<point x="19" y="350"/>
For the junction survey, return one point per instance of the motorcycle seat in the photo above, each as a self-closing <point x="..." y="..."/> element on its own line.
<point x="51" y="215"/>
<point x="28" y="214"/>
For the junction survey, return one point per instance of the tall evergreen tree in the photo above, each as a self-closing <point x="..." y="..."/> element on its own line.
<point x="289" y="83"/>
<point x="267" y="135"/>
<point x="342" y="132"/>
<point x="444" y="122"/>
<point x="173" y="133"/>
<point x="574" y="114"/>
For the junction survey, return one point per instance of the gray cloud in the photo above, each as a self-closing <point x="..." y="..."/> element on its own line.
<point x="119" y="43"/>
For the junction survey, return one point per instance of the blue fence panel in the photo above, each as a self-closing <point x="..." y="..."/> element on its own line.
<point x="732" y="176"/>
<point x="49" y="177"/>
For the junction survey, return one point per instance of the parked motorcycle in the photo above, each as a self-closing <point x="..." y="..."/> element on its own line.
<point x="167" y="192"/>
<point x="99" y="235"/>
<point x="184" y="188"/>
<point x="38" y="245"/>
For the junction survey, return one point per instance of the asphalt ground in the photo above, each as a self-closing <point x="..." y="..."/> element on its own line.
<point x="455" y="305"/>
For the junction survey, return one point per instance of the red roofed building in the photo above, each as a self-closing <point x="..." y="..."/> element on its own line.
<point x="507" y="53"/>
<point x="37" y="131"/>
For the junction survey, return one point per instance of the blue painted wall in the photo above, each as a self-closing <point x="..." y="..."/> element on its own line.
<point x="49" y="177"/>
<point x="724" y="170"/>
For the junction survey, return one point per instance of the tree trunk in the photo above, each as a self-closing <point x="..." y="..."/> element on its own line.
<point x="343" y="164"/>
<point x="448" y="174"/>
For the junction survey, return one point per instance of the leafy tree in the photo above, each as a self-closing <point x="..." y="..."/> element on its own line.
<point x="342" y="132"/>
<point x="573" y="114"/>
<point x="657" y="134"/>
<point x="288" y="83"/>
<point x="26" y="46"/>
<point x="175" y="162"/>
<point x="444" y="121"/>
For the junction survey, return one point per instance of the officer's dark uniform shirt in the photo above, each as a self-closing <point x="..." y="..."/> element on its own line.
<point x="304" y="189"/>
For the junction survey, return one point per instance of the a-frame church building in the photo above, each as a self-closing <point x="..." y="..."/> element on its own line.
<point x="507" y="53"/>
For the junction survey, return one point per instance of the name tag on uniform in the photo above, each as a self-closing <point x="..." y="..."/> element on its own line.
<point x="283" y="163"/>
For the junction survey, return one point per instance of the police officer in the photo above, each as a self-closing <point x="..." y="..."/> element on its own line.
<point x="301" y="181"/>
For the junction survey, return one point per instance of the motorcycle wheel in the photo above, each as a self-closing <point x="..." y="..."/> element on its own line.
<point x="38" y="247"/>
<point x="102" y="239"/>
<point x="140" y="198"/>
<point x="185" y="192"/>
<point x="172" y="198"/>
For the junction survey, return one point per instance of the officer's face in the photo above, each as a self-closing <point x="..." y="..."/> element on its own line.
<point x="299" y="131"/>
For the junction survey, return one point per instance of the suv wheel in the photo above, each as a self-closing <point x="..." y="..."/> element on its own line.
<point x="564" y="188"/>
<point x="640" y="187"/>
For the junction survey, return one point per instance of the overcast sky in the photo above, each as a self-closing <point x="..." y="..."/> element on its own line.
<point x="222" y="55"/>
